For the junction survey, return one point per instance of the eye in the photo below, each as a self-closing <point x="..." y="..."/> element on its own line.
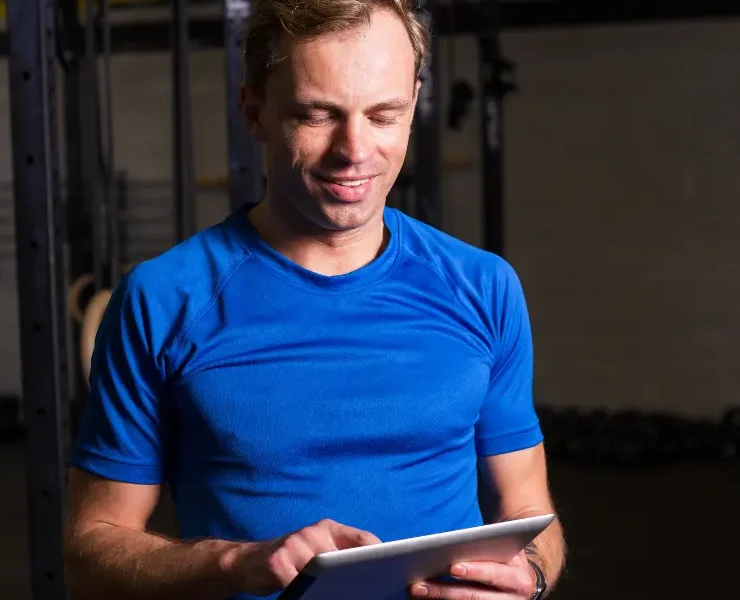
<point x="384" y="120"/>
<point x="314" y="119"/>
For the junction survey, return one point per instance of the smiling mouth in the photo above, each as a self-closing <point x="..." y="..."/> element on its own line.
<point x="345" y="182"/>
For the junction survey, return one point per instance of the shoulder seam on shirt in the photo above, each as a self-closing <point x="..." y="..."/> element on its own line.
<point x="179" y="341"/>
<point x="437" y="272"/>
<point x="446" y="282"/>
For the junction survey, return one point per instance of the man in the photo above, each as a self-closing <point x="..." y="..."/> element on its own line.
<point x="320" y="372"/>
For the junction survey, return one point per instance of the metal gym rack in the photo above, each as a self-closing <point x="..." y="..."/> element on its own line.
<point x="41" y="282"/>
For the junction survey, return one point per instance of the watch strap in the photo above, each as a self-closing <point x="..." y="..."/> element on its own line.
<point x="541" y="584"/>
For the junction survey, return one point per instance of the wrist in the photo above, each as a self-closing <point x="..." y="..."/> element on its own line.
<point x="229" y="559"/>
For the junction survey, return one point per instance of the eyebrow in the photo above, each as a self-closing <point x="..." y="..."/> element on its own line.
<point x="393" y="104"/>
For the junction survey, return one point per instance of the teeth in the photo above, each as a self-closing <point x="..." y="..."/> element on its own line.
<point x="353" y="183"/>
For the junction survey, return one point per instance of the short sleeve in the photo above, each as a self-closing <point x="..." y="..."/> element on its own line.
<point x="120" y="434"/>
<point x="508" y="421"/>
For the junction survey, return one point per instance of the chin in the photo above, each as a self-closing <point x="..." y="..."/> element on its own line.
<point x="337" y="216"/>
<point x="332" y="214"/>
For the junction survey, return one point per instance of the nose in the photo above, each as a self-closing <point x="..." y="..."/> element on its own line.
<point x="353" y="140"/>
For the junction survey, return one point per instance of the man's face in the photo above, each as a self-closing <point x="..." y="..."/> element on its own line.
<point x="335" y="120"/>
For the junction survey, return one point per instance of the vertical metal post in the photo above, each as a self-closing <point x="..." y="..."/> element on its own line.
<point x="41" y="283"/>
<point x="427" y="168"/>
<point x="111" y="192"/>
<point x="121" y="202"/>
<point x="72" y="42"/>
<point x="245" y="154"/>
<point x="184" y="179"/>
<point x="493" y="67"/>
<point x="90" y="138"/>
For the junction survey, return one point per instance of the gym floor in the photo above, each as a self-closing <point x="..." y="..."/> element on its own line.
<point x="637" y="533"/>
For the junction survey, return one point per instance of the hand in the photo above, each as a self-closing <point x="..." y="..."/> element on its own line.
<point x="483" y="581"/>
<point x="264" y="568"/>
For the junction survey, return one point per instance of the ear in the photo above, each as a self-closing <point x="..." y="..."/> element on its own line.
<point x="252" y="109"/>
<point x="417" y="87"/>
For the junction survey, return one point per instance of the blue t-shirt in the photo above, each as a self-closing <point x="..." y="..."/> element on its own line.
<point x="271" y="397"/>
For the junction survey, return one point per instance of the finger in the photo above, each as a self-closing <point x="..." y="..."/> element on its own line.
<point x="298" y="552"/>
<point x="345" y="536"/>
<point x="519" y="559"/>
<point x="282" y="567"/>
<point x="504" y="578"/>
<point x="319" y="539"/>
<point x="458" y="591"/>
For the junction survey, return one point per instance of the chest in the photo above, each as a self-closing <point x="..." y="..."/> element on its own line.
<point x="366" y="376"/>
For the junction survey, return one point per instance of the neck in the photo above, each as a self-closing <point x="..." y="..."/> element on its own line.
<point x="325" y="252"/>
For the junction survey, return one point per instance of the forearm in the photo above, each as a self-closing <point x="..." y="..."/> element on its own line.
<point x="115" y="562"/>
<point x="548" y="551"/>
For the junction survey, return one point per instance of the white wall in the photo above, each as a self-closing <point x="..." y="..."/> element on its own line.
<point x="622" y="187"/>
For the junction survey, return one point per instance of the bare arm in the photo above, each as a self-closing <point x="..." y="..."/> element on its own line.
<point x="109" y="554"/>
<point x="519" y="480"/>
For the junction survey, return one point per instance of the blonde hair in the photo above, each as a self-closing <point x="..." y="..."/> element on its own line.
<point x="305" y="19"/>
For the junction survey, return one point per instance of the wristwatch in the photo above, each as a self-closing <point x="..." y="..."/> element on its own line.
<point x="541" y="584"/>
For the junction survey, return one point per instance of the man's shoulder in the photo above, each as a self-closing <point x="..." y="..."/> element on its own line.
<point x="484" y="284"/>
<point x="188" y="274"/>
<point x="457" y="260"/>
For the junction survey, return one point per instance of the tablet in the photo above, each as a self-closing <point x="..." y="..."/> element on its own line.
<point x="385" y="571"/>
